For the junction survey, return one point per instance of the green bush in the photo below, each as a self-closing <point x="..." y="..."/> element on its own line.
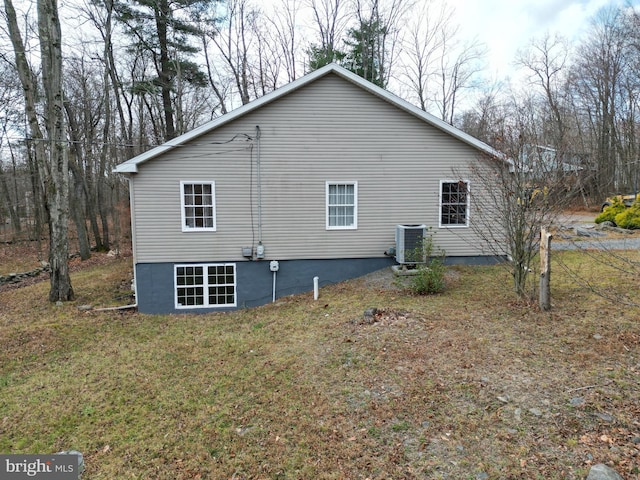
<point x="609" y="213"/>
<point x="630" y="218"/>
<point x="429" y="279"/>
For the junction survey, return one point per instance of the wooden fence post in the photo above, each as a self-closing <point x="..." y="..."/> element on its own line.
<point x="545" y="269"/>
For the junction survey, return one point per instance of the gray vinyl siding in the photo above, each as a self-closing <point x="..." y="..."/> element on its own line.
<point x="328" y="130"/>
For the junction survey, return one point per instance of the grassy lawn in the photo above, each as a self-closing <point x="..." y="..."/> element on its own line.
<point x="467" y="382"/>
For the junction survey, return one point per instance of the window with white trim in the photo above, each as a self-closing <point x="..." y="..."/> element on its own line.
<point x="342" y="205"/>
<point x="205" y="285"/>
<point x="198" y="203"/>
<point x="454" y="203"/>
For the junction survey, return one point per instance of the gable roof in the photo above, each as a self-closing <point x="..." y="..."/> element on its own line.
<point x="131" y="165"/>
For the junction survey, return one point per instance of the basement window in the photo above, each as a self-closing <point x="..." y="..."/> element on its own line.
<point x="205" y="285"/>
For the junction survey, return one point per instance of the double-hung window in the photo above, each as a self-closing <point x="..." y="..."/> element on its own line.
<point x="454" y="203"/>
<point x="198" y="203"/>
<point x="205" y="285"/>
<point x="342" y="205"/>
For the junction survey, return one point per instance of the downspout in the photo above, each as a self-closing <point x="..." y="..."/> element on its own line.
<point x="259" y="247"/>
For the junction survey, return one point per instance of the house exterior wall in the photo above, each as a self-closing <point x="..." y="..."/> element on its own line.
<point x="255" y="282"/>
<point x="329" y="130"/>
<point x="155" y="289"/>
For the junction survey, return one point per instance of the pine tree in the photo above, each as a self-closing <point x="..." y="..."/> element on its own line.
<point x="161" y="29"/>
<point x="363" y="57"/>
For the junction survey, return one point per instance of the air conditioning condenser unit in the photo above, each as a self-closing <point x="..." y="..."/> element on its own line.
<point x="410" y="244"/>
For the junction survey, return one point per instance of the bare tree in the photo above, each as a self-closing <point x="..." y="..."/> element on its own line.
<point x="597" y="77"/>
<point x="546" y="61"/>
<point x="220" y="89"/>
<point x="283" y="24"/>
<point x="423" y="46"/>
<point x="517" y="200"/>
<point x="269" y="63"/>
<point x="457" y="67"/>
<point x="9" y="94"/>
<point x="9" y="204"/>
<point x="486" y="120"/>
<point x="233" y="45"/>
<point x="377" y="38"/>
<point x="100" y="13"/>
<point x="50" y="152"/>
<point x="330" y="21"/>
<point x="437" y="67"/>
<point x="85" y="113"/>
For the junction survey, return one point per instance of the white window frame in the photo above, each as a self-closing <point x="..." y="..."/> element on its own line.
<point x="467" y="205"/>
<point x="183" y="206"/>
<point x="205" y="285"/>
<point x="354" y="225"/>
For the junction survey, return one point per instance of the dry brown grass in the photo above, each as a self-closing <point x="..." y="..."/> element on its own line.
<point x="20" y="257"/>
<point x="444" y="386"/>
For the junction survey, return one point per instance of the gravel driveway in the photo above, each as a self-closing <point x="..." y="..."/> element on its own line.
<point x="591" y="238"/>
<point x="632" y="243"/>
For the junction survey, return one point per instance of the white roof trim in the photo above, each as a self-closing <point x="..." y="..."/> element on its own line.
<point x="131" y="165"/>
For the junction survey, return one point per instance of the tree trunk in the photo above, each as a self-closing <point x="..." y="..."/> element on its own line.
<point x="53" y="172"/>
<point x="81" y="228"/>
<point x="57" y="184"/>
<point x="117" y="234"/>
<point x="37" y="198"/>
<point x="545" y="269"/>
<point x="104" y="205"/>
<point x="78" y="211"/>
<point x="111" y="73"/>
<point x="162" y="13"/>
<point x="84" y="205"/>
<point x="12" y="209"/>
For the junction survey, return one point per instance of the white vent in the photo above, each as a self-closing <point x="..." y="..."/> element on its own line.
<point x="409" y="244"/>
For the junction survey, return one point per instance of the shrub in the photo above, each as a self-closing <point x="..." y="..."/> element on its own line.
<point x="630" y="218"/>
<point x="609" y="213"/>
<point x="429" y="279"/>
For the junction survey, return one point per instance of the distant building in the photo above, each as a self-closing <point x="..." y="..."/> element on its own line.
<point x="540" y="161"/>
